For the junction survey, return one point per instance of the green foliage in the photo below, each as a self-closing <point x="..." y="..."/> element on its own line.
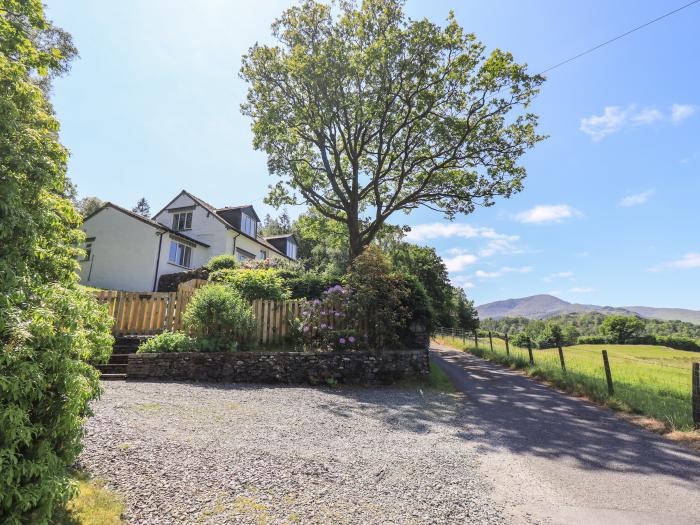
<point x="467" y="316"/>
<point x="218" y="313"/>
<point x="586" y="328"/>
<point x="426" y="265"/>
<point x="417" y="304"/>
<point x="142" y="208"/>
<point x="222" y="262"/>
<point x="378" y="298"/>
<point x="620" y="328"/>
<point x="167" y="342"/>
<point x="88" y="205"/>
<point x="435" y="120"/>
<point x="254" y="283"/>
<point x="181" y="342"/>
<point x="49" y="327"/>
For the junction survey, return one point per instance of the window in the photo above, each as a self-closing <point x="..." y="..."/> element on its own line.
<point x="180" y="254"/>
<point x="263" y="254"/>
<point x="244" y="256"/>
<point x="291" y="249"/>
<point x="88" y="248"/>
<point x="182" y="221"/>
<point x="247" y="224"/>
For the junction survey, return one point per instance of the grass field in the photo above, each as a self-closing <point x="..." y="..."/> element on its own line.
<point x="651" y="380"/>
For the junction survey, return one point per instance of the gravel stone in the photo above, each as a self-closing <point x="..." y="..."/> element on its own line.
<point x="239" y="454"/>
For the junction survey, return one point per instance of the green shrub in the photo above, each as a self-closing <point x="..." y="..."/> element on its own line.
<point x="520" y="339"/>
<point x="377" y="300"/>
<point x="592" y="340"/>
<point x="253" y="284"/>
<point x="181" y="342"/>
<point x="417" y="305"/>
<point x="218" y="313"/>
<point x="167" y="342"/>
<point x="48" y="326"/>
<point x="222" y="262"/>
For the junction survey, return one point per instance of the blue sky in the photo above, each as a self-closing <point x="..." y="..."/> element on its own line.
<point x="609" y="214"/>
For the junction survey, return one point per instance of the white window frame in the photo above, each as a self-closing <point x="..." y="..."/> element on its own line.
<point x="182" y="221"/>
<point x="263" y="254"/>
<point x="180" y="254"/>
<point x="244" y="256"/>
<point x="88" y="248"/>
<point x="248" y="224"/>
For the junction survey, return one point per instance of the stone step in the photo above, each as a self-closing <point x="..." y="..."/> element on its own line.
<point x="113" y="377"/>
<point x="119" y="359"/>
<point x="122" y="349"/>
<point x="112" y="368"/>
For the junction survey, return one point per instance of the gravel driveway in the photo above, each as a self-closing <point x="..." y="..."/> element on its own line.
<point x="212" y="454"/>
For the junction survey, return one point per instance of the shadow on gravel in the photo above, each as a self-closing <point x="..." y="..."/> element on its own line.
<point x="503" y="409"/>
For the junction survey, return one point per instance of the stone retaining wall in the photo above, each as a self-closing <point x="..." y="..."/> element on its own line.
<point x="281" y="367"/>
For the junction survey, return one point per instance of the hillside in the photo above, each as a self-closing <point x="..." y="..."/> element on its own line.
<point x="545" y="306"/>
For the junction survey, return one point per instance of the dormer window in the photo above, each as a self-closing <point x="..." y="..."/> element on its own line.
<point x="248" y="224"/>
<point x="182" y="221"/>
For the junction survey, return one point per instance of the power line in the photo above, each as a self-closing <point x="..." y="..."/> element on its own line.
<point x="620" y="36"/>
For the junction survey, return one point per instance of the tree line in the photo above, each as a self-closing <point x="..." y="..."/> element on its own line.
<point x="596" y="328"/>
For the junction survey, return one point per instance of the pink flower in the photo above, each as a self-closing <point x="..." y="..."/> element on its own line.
<point x="351" y="339"/>
<point x="306" y="329"/>
<point x="323" y="326"/>
<point x="342" y="340"/>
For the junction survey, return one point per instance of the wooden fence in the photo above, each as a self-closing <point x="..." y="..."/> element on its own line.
<point x="144" y="313"/>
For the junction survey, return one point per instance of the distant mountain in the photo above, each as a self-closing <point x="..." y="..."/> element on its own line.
<point x="544" y="306"/>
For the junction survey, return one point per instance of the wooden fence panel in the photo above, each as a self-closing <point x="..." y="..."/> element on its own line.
<point x="137" y="313"/>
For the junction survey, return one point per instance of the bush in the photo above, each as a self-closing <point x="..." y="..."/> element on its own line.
<point x="45" y="388"/>
<point x="592" y="340"/>
<point x="253" y="284"/>
<point x="520" y="339"/>
<point x="181" y="342"/>
<point x="222" y="262"/>
<point x="217" y="313"/>
<point x="324" y="325"/>
<point x="417" y="304"/>
<point x="167" y="342"/>
<point x="377" y="301"/>
<point x="678" y="343"/>
<point x="48" y="327"/>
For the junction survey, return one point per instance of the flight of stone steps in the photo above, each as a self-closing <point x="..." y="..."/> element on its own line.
<point x="115" y="369"/>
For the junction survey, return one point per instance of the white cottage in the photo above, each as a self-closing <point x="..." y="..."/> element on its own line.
<point x="125" y="251"/>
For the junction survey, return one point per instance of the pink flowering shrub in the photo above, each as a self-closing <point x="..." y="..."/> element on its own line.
<point x="324" y="324"/>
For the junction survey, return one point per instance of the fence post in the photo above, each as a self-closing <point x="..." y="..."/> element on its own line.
<point x="476" y="339"/>
<point x="608" y="375"/>
<point x="464" y="337"/>
<point x="507" y="347"/>
<point x="529" y="351"/>
<point x="491" y="341"/>
<point x="561" y="359"/>
<point x="696" y="395"/>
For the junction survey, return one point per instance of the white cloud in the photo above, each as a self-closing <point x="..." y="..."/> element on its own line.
<point x="689" y="261"/>
<point x="646" y="116"/>
<point x="616" y="118"/>
<point x="506" y="269"/>
<point x="558" y="275"/>
<point x="635" y="199"/>
<point x="682" y="111"/>
<point x="612" y="120"/>
<point x="547" y="213"/>
<point x="421" y="232"/>
<point x="462" y="281"/>
<point x="457" y="263"/>
<point x="581" y="290"/>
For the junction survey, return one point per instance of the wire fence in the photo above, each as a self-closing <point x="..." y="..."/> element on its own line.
<point x="651" y="380"/>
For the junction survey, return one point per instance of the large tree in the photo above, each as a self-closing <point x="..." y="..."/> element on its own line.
<point x="364" y="113"/>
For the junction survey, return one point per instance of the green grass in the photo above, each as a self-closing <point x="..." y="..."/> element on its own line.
<point x="92" y="505"/>
<point x="654" y="381"/>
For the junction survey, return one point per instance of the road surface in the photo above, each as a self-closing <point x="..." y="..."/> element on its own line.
<point x="556" y="459"/>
